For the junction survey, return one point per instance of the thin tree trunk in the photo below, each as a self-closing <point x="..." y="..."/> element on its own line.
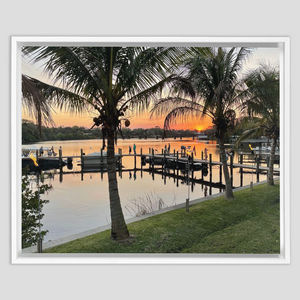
<point x="228" y="187"/>
<point x="271" y="163"/>
<point x="119" y="229"/>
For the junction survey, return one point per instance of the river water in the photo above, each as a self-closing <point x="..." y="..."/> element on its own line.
<point x="80" y="201"/>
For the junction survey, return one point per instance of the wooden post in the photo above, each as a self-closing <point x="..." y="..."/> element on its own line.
<point x="60" y="174"/>
<point x="257" y="164"/>
<point x="210" y="167"/>
<point x="120" y="161"/>
<point x="81" y="157"/>
<point x="231" y="168"/>
<point x="241" y="158"/>
<point x="134" y="160"/>
<point x="241" y="169"/>
<point x="37" y="156"/>
<point x="152" y="159"/>
<point x="257" y="168"/>
<point x="187" y="205"/>
<point x="141" y="158"/>
<point x="202" y="166"/>
<point x="101" y="159"/>
<point x="40" y="246"/>
<point x="192" y="182"/>
<point x="177" y="160"/>
<point x="60" y="155"/>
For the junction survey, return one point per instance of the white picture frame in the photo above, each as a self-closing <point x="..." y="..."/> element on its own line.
<point x="17" y="257"/>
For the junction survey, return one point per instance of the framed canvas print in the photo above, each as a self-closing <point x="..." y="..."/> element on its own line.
<point x="150" y="150"/>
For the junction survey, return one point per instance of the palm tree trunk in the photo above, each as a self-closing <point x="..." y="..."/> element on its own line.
<point x="119" y="229"/>
<point x="271" y="163"/>
<point x="228" y="186"/>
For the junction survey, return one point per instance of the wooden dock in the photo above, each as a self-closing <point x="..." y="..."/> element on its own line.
<point x="210" y="162"/>
<point x="157" y="164"/>
<point x="176" y="156"/>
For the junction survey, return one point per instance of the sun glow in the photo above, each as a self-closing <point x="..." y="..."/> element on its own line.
<point x="142" y="121"/>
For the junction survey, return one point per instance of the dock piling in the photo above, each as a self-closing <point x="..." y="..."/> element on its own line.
<point x="121" y="158"/>
<point x="231" y="169"/>
<point x="241" y="169"/>
<point x="187" y="205"/>
<point x="81" y="157"/>
<point x="210" y="167"/>
<point x="257" y="167"/>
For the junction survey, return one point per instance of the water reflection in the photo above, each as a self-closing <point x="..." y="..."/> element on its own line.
<point x="79" y="199"/>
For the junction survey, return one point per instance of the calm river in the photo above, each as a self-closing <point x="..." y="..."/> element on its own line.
<point x="80" y="202"/>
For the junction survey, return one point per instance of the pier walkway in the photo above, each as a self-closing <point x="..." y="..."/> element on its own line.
<point x="209" y="162"/>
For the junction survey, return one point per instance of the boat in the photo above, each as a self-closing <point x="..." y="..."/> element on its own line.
<point x="44" y="161"/>
<point x="97" y="160"/>
<point x="153" y="160"/>
<point x="266" y="149"/>
<point x="183" y="165"/>
<point x="202" y="136"/>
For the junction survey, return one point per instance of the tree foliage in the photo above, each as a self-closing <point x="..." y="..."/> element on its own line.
<point x="30" y="133"/>
<point x="32" y="207"/>
<point x="213" y="76"/>
<point x="111" y="81"/>
<point x="261" y="102"/>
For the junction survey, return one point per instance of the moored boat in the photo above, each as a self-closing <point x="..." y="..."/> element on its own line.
<point x="97" y="160"/>
<point x="44" y="160"/>
<point x="183" y="165"/>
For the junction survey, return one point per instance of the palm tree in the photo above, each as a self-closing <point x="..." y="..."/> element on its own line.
<point x="111" y="80"/>
<point x="262" y="100"/>
<point x="35" y="103"/>
<point x="214" y="78"/>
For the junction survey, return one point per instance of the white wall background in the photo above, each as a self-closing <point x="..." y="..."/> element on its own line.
<point x="151" y="18"/>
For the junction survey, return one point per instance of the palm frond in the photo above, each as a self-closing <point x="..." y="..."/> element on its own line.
<point x="35" y="104"/>
<point x="59" y="97"/>
<point x="182" y="114"/>
<point x="246" y="135"/>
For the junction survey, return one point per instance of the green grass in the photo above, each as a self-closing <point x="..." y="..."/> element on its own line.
<point x="248" y="224"/>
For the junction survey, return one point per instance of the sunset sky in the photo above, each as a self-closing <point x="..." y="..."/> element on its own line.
<point x="268" y="55"/>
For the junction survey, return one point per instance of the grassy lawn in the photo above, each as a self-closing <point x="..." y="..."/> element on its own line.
<point x="249" y="223"/>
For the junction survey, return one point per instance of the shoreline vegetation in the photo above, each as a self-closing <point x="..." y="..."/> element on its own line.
<point x="247" y="224"/>
<point x="30" y="133"/>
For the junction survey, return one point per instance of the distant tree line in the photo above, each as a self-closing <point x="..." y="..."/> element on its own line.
<point x="30" y="133"/>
